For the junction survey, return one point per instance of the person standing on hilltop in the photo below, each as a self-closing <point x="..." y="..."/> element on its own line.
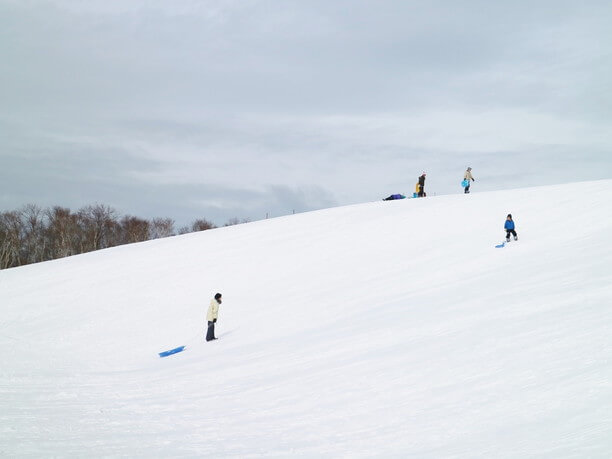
<point x="212" y="315"/>
<point x="466" y="178"/>
<point x="509" y="227"/>
<point x="422" y="193"/>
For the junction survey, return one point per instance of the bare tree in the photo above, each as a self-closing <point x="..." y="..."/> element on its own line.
<point x="202" y="225"/>
<point x="34" y="243"/>
<point x="11" y="235"/>
<point x="161" y="227"/>
<point x="99" y="226"/>
<point x="134" y="229"/>
<point x="63" y="232"/>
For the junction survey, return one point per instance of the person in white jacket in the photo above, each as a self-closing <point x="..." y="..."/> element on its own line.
<point x="468" y="176"/>
<point x="212" y="315"/>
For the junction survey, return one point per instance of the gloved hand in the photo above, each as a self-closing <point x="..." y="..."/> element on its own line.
<point x="214" y="321"/>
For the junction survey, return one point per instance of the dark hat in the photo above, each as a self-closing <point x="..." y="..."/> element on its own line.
<point x="217" y="296"/>
<point x="509" y="215"/>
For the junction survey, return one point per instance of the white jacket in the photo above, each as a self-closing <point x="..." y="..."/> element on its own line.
<point x="213" y="310"/>
<point x="468" y="175"/>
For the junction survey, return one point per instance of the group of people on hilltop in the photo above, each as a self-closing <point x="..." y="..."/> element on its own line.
<point x="213" y="309"/>
<point x="420" y="186"/>
<point x="468" y="178"/>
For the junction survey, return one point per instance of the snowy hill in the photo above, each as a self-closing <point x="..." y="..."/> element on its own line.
<point x="382" y="329"/>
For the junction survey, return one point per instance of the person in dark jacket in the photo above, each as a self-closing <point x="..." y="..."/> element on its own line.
<point x="212" y="315"/>
<point x="509" y="227"/>
<point x="422" y="193"/>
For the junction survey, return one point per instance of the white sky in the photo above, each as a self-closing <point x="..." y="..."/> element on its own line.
<point x="216" y="109"/>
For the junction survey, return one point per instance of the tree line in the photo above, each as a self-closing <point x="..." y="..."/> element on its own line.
<point x="33" y="234"/>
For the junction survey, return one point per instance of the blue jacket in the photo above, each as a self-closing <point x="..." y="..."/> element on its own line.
<point x="509" y="224"/>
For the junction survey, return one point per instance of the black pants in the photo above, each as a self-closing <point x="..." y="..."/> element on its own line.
<point x="467" y="189"/>
<point x="509" y="232"/>
<point x="210" y="334"/>
<point x="421" y="191"/>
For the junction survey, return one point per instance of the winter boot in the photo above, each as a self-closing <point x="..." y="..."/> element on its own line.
<point x="516" y="238"/>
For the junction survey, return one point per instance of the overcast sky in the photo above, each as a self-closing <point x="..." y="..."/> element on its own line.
<point x="220" y="109"/>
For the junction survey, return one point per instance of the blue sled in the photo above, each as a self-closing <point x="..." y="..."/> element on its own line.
<point x="172" y="351"/>
<point x="503" y="244"/>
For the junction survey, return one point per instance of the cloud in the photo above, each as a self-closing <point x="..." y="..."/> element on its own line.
<point x="222" y="109"/>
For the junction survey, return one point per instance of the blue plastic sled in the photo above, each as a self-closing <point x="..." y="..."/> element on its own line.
<point x="172" y="351"/>
<point x="465" y="183"/>
<point x="503" y="244"/>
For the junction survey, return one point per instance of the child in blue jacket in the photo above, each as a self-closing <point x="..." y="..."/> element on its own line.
<point x="509" y="227"/>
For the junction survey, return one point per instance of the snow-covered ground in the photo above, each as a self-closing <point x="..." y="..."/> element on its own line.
<point x="390" y="329"/>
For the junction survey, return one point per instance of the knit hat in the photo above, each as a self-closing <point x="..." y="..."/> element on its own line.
<point x="509" y="215"/>
<point x="217" y="296"/>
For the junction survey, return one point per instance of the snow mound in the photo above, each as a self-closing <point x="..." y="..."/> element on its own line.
<point x="382" y="329"/>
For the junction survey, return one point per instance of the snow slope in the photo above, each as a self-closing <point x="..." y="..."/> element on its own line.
<point x="382" y="329"/>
